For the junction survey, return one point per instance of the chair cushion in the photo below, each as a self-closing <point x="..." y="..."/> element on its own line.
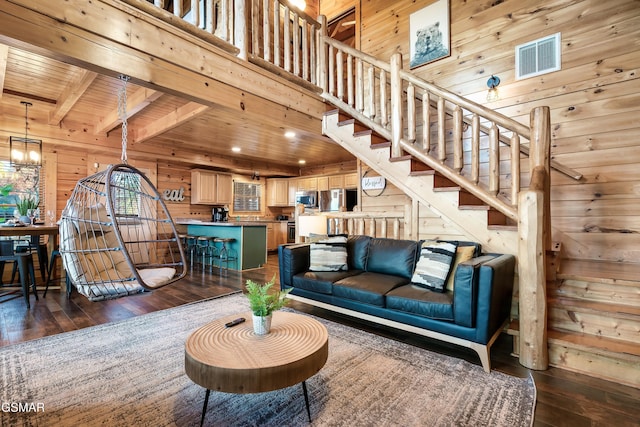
<point x="434" y="265"/>
<point x="328" y="254"/>
<point x="155" y="277"/>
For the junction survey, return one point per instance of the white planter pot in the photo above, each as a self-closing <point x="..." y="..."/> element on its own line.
<point x="261" y="324"/>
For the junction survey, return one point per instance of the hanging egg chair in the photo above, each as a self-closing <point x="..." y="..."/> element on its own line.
<point x="117" y="237"/>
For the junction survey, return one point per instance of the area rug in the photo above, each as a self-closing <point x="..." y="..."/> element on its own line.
<point x="131" y="373"/>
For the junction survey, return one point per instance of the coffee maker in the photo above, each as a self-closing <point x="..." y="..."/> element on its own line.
<point x="220" y="214"/>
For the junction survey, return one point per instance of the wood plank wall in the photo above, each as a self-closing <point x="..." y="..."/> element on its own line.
<point x="594" y="98"/>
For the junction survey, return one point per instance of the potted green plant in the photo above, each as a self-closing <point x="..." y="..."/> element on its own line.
<point x="263" y="302"/>
<point x="23" y="205"/>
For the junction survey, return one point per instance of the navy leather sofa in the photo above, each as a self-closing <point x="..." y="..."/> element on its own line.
<point x="377" y="287"/>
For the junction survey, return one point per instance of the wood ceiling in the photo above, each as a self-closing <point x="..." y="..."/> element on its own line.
<point x="76" y="108"/>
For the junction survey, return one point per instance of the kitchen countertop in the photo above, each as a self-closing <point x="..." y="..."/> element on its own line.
<point x="252" y="223"/>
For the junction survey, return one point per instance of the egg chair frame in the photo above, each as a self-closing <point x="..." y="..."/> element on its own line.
<point x="117" y="237"/>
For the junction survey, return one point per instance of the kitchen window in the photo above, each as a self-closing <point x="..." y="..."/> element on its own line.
<point x="246" y="196"/>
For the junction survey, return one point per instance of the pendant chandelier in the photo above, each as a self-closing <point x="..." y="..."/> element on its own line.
<point x="25" y="152"/>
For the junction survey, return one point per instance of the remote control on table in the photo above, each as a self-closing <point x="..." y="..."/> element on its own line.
<point x="234" y="322"/>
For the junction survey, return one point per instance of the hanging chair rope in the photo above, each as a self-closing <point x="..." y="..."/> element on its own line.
<point x="117" y="237"/>
<point x="122" y="114"/>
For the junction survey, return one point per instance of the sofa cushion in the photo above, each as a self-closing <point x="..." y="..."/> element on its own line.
<point x="328" y="254"/>
<point x="421" y="301"/>
<point x="321" y="281"/>
<point x="368" y="288"/>
<point x="434" y="265"/>
<point x="357" y="252"/>
<point x="463" y="253"/>
<point x="392" y="256"/>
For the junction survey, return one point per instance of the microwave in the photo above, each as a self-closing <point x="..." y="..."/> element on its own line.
<point x="307" y="198"/>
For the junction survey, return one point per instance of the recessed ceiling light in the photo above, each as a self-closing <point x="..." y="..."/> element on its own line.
<point x="289" y="134"/>
<point x="235" y="149"/>
<point x="302" y="162"/>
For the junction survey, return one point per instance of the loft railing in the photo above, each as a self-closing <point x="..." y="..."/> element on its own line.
<point x="374" y="224"/>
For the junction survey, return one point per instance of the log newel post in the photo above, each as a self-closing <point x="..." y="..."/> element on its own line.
<point x="396" y="104"/>
<point x="240" y="32"/>
<point x="322" y="54"/>
<point x="534" y="237"/>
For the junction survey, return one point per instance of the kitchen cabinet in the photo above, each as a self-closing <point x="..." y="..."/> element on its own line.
<point x="293" y="187"/>
<point x="210" y="188"/>
<point x="335" y="182"/>
<point x="276" y="235"/>
<point x="323" y="183"/>
<point x="351" y="180"/>
<point x="272" y="244"/>
<point x="277" y="192"/>
<point x="308" y="184"/>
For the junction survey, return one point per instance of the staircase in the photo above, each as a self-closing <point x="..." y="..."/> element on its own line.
<point x="419" y="181"/>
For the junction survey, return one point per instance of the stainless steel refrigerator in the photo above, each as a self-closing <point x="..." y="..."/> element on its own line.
<point x="331" y="200"/>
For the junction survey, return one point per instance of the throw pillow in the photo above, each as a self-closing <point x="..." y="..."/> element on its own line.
<point x="463" y="253"/>
<point x="328" y="254"/>
<point x="434" y="265"/>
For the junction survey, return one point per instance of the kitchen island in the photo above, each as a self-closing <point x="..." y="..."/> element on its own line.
<point x="250" y="243"/>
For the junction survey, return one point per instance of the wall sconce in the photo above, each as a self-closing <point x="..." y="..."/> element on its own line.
<point x="492" y="93"/>
<point x="25" y="151"/>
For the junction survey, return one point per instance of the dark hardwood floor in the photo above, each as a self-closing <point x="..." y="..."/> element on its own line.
<point x="564" y="398"/>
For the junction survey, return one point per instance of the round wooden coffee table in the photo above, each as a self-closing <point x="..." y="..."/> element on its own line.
<point x="236" y="360"/>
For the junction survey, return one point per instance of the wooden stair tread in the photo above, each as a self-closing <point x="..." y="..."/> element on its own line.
<point x="582" y="305"/>
<point x="595" y="344"/>
<point x="503" y="227"/>
<point x="474" y="207"/>
<point x="600" y="271"/>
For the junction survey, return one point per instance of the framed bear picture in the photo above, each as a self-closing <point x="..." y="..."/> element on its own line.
<point x="429" y="34"/>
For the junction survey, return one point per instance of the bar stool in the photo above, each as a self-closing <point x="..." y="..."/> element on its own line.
<point x="190" y="248"/>
<point x="206" y="250"/>
<point x="226" y="254"/>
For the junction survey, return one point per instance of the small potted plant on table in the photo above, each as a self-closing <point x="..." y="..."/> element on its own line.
<point x="263" y="303"/>
<point x="24" y="205"/>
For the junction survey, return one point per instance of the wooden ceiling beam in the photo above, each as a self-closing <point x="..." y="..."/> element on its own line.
<point x="174" y="119"/>
<point x="136" y="102"/>
<point x="76" y="137"/>
<point x="70" y="95"/>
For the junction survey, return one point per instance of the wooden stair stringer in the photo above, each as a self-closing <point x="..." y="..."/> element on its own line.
<point x="472" y="223"/>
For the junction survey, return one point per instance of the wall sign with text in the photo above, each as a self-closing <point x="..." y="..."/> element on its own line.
<point x="373" y="184"/>
<point x="173" y="195"/>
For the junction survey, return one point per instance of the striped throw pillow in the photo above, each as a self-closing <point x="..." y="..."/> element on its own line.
<point x="434" y="265"/>
<point x="329" y="254"/>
